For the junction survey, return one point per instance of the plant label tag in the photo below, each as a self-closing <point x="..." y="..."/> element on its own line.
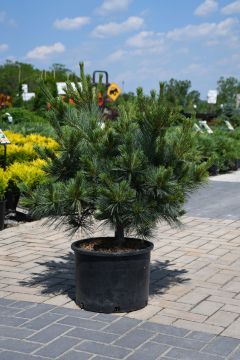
<point x="3" y="139"/>
<point x="212" y="97"/>
<point x="229" y="125"/>
<point x="197" y="128"/>
<point x="113" y="91"/>
<point x="204" y="125"/>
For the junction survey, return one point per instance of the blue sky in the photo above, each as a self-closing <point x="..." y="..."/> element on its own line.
<point x="139" y="42"/>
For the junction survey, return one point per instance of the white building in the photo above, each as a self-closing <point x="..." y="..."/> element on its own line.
<point x="26" y="96"/>
<point x="61" y="86"/>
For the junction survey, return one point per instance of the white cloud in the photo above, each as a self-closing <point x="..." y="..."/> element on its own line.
<point x="71" y="24"/>
<point x="179" y="42"/>
<point x="203" y="30"/>
<point x="194" y="68"/>
<point x="113" y="29"/>
<point x="4" y="19"/>
<point x="110" y="6"/>
<point x="210" y="32"/>
<point x="212" y="42"/>
<point x="206" y="8"/>
<point x="232" y="8"/>
<point x="142" y="45"/>
<point x="41" y="52"/>
<point x="12" y="23"/>
<point x="146" y="39"/>
<point x="3" y="47"/>
<point x="230" y="61"/>
<point x="3" y="16"/>
<point x="117" y="55"/>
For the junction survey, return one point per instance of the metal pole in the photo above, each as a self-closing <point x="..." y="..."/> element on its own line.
<point x="19" y="74"/>
<point x="5" y="157"/>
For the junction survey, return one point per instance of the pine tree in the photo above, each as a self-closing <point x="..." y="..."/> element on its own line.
<point x="130" y="173"/>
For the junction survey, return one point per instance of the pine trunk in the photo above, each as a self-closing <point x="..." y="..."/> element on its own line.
<point x="119" y="234"/>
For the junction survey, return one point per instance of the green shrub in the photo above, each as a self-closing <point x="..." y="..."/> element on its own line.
<point x="222" y="148"/>
<point x="4" y="178"/>
<point x="235" y="119"/>
<point x="235" y="135"/>
<point x="207" y="148"/>
<point x="22" y="115"/>
<point x="227" y="150"/>
<point x="28" y="128"/>
<point x="25" y="122"/>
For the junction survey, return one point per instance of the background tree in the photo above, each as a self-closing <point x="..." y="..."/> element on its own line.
<point x="228" y="88"/>
<point x="13" y="74"/>
<point x="178" y="94"/>
<point x="60" y="73"/>
<point x="39" y="103"/>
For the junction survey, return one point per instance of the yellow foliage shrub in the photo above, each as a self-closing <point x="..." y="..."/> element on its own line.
<point x="22" y="149"/>
<point x="28" y="173"/>
<point x="4" y="178"/>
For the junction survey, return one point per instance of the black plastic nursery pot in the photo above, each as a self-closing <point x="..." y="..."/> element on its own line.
<point x="236" y="165"/>
<point x="213" y="170"/>
<point x="12" y="198"/>
<point x="2" y="213"/>
<point x="110" y="282"/>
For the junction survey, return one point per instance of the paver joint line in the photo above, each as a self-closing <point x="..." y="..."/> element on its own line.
<point x="194" y="287"/>
<point x="147" y="340"/>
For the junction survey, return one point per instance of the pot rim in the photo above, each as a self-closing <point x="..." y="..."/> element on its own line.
<point x="81" y="250"/>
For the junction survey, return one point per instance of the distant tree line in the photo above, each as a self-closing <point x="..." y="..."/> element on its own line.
<point x="14" y="74"/>
<point x="179" y="93"/>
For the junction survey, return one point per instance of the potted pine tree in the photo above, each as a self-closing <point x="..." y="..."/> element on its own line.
<point x="129" y="175"/>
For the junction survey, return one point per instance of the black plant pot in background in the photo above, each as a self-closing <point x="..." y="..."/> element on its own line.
<point x="12" y="197"/>
<point x="236" y="165"/>
<point x="213" y="170"/>
<point x="2" y="213"/>
<point x="112" y="282"/>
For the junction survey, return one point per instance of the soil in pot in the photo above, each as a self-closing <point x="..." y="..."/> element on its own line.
<point x="108" y="245"/>
<point x="112" y="280"/>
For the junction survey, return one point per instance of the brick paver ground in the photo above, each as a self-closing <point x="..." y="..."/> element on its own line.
<point x="194" y="298"/>
<point x="30" y="331"/>
<point x="195" y="273"/>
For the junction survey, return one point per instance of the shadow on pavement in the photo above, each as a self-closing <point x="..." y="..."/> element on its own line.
<point x="162" y="277"/>
<point x="58" y="277"/>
